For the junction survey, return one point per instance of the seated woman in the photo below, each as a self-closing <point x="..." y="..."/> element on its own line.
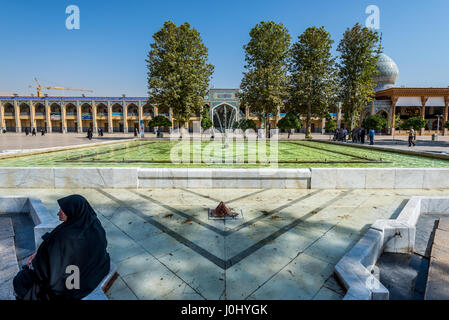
<point x="79" y="241"/>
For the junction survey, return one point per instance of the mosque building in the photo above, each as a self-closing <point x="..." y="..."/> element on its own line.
<point x="401" y="103"/>
<point x="124" y="114"/>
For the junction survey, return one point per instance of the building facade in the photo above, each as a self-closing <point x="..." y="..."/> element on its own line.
<point x="116" y="114"/>
<point x="401" y="103"/>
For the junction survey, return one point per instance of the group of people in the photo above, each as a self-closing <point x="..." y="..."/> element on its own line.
<point x="33" y="132"/>
<point x="358" y="135"/>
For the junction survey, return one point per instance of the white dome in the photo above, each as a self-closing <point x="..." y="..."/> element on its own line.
<point x="388" y="73"/>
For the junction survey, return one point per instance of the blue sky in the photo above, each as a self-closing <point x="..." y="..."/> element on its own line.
<point x="107" y="54"/>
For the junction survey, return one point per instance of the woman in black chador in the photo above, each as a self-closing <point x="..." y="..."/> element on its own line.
<point x="80" y="242"/>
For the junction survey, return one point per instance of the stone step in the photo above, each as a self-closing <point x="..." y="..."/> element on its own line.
<point x="8" y="259"/>
<point x="438" y="277"/>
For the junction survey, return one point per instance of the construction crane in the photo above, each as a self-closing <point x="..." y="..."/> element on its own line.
<point x="39" y="88"/>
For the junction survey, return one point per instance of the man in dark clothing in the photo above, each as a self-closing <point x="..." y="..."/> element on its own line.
<point x="27" y="131"/>
<point x="135" y="132"/>
<point x="412" y="137"/>
<point x="42" y="132"/>
<point x="362" y="135"/>
<point x="33" y="132"/>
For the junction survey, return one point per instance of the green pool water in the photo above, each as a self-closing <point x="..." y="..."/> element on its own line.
<point x="156" y="154"/>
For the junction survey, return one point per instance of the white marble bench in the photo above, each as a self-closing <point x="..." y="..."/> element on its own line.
<point x="105" y="284"/>
<point x="9" y="266"/>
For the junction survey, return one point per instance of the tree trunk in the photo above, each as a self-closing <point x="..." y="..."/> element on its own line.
<point x="309" y="122"/>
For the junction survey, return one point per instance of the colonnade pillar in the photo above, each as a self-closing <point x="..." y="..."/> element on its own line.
<point x="47" y="116"/>
<point x="32" y="115"/>
<point x="140" y="112"/>
<point x="79" y="117"/>
<point x="2" y="118"/>
<point x="94" y="117"/>
<point x="17" y="117"/>
<point x="63" y="117"/>
<point x="445" y="118"/>
<point x="110" y="125"/>
<point x="125" y="118"/>
<point x="394" y="101"/>
<point x="423" y="112"/>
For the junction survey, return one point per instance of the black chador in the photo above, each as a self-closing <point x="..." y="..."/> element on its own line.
<point x="80" y="241"/>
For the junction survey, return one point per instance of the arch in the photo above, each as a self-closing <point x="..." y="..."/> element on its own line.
<point x="223" y="116"/>
<point x="148" y="110"/>
<point x="8" y="109"/>
<point x="117" y="108"/>
<point x="24" y="109"/>
<point x="39" y="109"/>
<point x="86" y="108"/>
<point x="102" y="109"/>
<point x="132" y="110"/>
<point x="365" y="114"/>
<point x="55" y="107"/>
<point x="384" y="113"/>
<point x="70" y="109"/>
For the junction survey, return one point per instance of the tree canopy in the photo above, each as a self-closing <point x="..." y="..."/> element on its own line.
<point x="245" y="124"/>
<point x="178" y="72"/>
<point x="331" y="125"/>
<point x="290" y="121"/>
<point x="357" y="68"/>
<point x="313" y="84"/>
<point x="159" y="121"/>
<point x="376" y="122"/>
<point x="206" y="123"/>
<point x="416" y="122"/>
<point x="264" y="84"/>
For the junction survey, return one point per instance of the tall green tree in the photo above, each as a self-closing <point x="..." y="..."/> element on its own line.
<point x="359" y="52"/>
<point x="178" y="72"/>
<point x="206" y="122"/>
<point x="313" y="86"/>
<point x="264" y="84"/>
<point x="290" y="121"/>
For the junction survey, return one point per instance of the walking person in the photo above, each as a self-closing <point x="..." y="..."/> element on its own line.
<point x="345" y="134"/>
<point x="27" y="131"/>
<point x="411" y="137"/>
<point x="371" y="137"/>
<point x="42" y="132"/>
<point x="362" y="135"/>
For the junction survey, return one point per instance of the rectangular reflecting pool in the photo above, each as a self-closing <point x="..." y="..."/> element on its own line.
<point x="216" y="154"/>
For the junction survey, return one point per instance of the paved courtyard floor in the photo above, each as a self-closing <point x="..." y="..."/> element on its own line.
<point x="285" y="245"/>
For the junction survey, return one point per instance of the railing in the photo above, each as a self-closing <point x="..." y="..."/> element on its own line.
<point x="132" y="114"/>
<point x="102" y="114"/>
<point x="147" y="114"/>
<point x="24" y="113"/>
<point x="39" y="113"/>
<point x="9" y="113"/>
<point x="70" y="113"/>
